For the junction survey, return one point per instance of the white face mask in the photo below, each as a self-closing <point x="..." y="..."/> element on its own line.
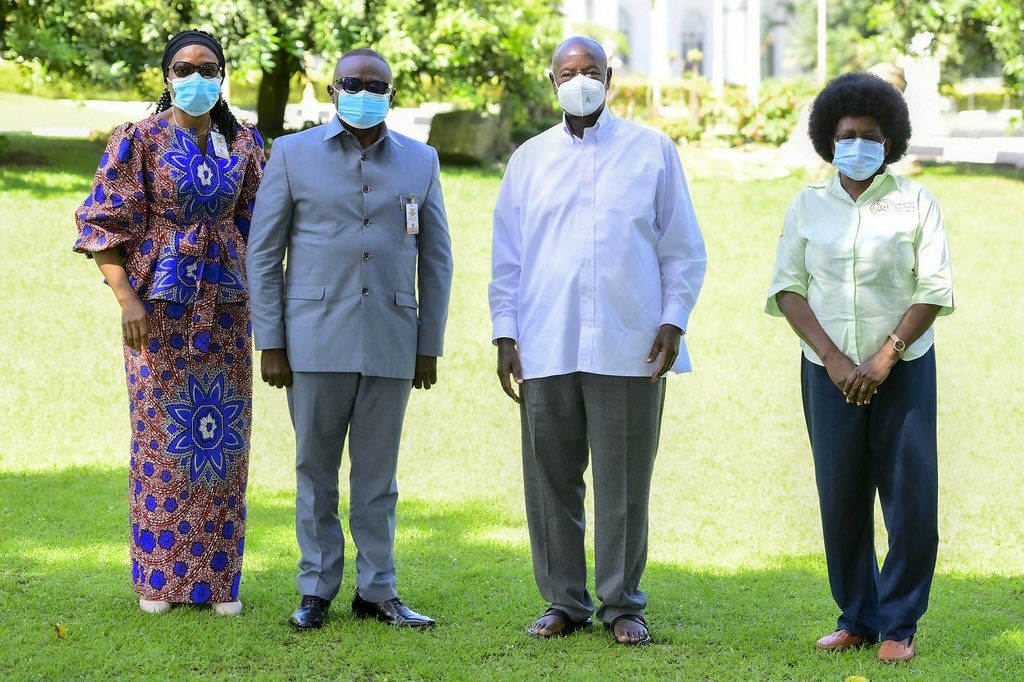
<point x="581" y="96"/>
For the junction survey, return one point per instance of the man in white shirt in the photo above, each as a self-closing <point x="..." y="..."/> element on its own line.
<point x="597" y="263"/>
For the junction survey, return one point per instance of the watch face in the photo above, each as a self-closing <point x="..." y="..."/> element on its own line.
<point x="899" y="346"/>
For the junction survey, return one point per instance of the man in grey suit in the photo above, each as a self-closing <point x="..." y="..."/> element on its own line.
<point x="358" y="210"/>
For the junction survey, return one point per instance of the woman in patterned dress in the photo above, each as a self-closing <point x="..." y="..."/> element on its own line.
<point x="167" y="223"/>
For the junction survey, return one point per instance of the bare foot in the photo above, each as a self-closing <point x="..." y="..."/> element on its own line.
<point x="548" y="625"/>
<point x="628" y="631"/>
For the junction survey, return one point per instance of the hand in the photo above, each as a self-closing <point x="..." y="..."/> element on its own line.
<point x="134" y="323"/>
<point x="666" y="344"/>
<point x="508" y="365"/>
<point x="274" y="367"/>
<point x="839" y="368"/>
<point x="863" y="382"/>
<point x="426" y="372"/>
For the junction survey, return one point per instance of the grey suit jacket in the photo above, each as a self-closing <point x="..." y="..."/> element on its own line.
<point x="347" y="300"/>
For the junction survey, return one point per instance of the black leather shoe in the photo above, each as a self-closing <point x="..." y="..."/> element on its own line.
<point x="310" y="614"/>
<point x="392" y="612"/>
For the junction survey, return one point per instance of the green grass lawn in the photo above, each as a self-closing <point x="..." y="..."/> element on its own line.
<point x="736" y="579"/>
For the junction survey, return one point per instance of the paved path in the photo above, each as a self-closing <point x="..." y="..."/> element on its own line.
<point x="988" y="150"/>
<point x="64" y="118"/>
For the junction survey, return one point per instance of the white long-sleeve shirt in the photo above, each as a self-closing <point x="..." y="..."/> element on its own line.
<point x="596" y="245"/>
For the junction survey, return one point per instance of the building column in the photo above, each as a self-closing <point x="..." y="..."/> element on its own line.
<point x="658" y="50"/>
<point x="717" y="70"/>
<point x="754" y="50"/>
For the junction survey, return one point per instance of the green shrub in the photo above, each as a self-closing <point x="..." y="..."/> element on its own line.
<point x="731" y="117"/>
<point x="678" y="129"/>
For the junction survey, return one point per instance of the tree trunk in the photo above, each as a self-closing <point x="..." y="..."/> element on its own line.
<point x="273" y="95"/>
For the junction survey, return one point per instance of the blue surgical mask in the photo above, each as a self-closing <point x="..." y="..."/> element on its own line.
<point x="858" y="159"/>
<point x="195" y="95"/>
<point x="362" y="110"/>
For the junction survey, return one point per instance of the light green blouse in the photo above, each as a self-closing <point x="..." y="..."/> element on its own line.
<point x="862" y="264"/>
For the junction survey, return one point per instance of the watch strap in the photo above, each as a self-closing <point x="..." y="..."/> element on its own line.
<point x="898" y="345"/>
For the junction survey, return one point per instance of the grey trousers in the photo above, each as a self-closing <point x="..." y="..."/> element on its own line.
<point x="618" y="419"/>
<point x="325" y="407"/>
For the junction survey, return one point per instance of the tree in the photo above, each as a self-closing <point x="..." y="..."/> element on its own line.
<point x="101" y="41"/>
<point x="969" y="37"/>
<point x="472" y="52"/>
<point x="1005" y="30"/>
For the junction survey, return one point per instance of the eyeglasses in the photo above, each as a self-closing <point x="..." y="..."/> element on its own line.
<point x="186" y="69"/>
<point x="879" y="138"/>
<point x="354" y="85"/>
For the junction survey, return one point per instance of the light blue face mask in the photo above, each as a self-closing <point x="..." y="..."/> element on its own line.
<point x="195" y="95"/>
<point x="858" y="159"/>
<point x="362" y="110"/>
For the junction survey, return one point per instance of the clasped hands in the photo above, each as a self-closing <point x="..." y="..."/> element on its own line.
<point x="859" y="383"/>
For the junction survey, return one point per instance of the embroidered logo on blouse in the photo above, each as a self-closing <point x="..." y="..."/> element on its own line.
<point x="881" y="206"/>
<point x="206" y="186"/>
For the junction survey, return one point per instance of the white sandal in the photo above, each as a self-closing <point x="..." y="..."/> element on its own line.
<point x="227" y="608"/>
<point x="151" y="606"/>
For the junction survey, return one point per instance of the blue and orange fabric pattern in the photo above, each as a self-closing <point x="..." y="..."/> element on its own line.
<point x="179" y="217"/>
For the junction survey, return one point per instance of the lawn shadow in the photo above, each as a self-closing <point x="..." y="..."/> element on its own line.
<point x="72" y="161"/>
<point x="64" y="559"/>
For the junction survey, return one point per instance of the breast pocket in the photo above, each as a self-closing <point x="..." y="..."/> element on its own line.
<point x="628" y="193"/>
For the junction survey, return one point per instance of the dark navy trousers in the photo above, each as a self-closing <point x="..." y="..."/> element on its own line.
<point x="890" y="447"/>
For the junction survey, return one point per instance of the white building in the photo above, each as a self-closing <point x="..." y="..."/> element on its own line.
<point x="742" y="41"/>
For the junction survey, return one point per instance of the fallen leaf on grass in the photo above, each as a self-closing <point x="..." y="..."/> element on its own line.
<point x="62" y="632"/>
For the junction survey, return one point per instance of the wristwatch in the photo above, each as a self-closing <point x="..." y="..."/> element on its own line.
<point x="898" y="345"/>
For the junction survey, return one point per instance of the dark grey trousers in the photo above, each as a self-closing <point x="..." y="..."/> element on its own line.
<point x="325" y="407"/>
<point x="617" y="422"/>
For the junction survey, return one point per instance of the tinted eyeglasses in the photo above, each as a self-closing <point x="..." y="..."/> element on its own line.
<point x="880" y="139"/>
<point x="186" y="69"/>
<point x="354" y="85"/>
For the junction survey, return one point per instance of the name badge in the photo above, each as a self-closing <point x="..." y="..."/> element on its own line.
<point x="220" y="145"/>
<point x="412" y="216"/>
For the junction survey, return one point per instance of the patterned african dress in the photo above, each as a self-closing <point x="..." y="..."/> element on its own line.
<point x="181" y="219"/>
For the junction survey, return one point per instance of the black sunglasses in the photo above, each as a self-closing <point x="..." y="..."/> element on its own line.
<point x="354" y="85"/>
<point x="186" y="69"/>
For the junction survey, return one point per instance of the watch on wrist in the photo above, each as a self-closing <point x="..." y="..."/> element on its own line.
<point x="898" y="345"/>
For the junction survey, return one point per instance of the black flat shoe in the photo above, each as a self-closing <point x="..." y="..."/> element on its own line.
<point x="310" y="614"/>
<point x="392" y="612"/>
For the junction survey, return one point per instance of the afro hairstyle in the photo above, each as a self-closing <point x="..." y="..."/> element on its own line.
<point x="859" y="94"/>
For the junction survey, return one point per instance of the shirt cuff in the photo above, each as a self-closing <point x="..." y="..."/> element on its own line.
<point x="429" y="344"/>
<point x="269" y="340"/>
<point x="505" y="327"/>
<point x="676" y="315"/>
<point x="940" y="297"/>
<point x="771" y="306"/>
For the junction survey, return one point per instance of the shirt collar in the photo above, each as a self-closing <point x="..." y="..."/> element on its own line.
<point x="604" y="125"/>
<point x="333" y="128"/>
<point x="881" y="181"/>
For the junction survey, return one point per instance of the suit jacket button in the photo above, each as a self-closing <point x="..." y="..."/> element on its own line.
<point x="366" y="255"/>
<point x="366" y="292"/>
<point x="366" y="188"/>
<point x="367" y="222"/>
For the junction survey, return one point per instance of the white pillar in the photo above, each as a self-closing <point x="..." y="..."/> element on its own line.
<point x="822" y="42"/>
<point x="754" y="50"/>
<point x="659" y="50"/>
<point x="922" y="95"/>
<point x="718" y="46"/>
